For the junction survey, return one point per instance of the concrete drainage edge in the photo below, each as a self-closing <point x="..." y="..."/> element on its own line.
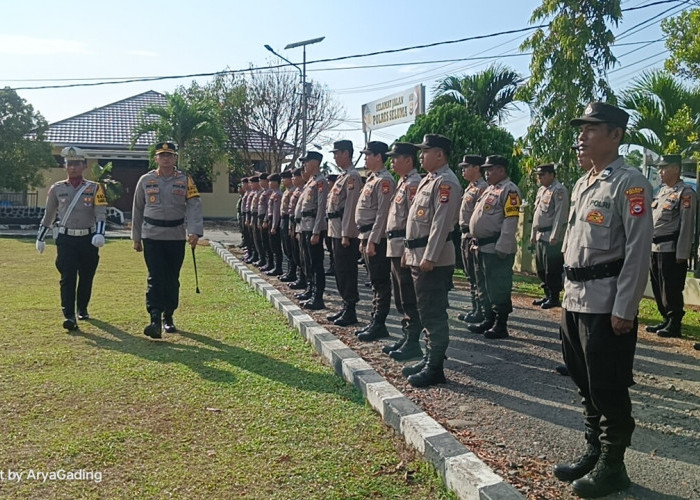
<point x="463" y="472"/>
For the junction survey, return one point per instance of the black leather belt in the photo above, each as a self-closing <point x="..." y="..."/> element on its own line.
<point x="365" y="228"/>
<point x="598" y="271"/>
<point x="422" y="242"/>
<point x="667" y="237"/>
<point x="396" y="233"/>
<point x="297" y="221"/>
<point x="334" y="215"/>
<point x="310" y="213"/>
<point x="261" y="217"/>
<point x="164" y="223"/>
<point x="544" y="229"/>
<point x="464" y="229"/>
<point x="285" y="217"/>
<point x="486" y="241"/>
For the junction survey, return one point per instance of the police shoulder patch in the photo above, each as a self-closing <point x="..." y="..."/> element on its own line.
<point x="445" y="193"/>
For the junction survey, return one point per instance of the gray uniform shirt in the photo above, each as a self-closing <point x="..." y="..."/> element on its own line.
<point x="295" y="208"/>
<point x="313" y="201"/>
<point x="674" y="210"/>
<point x="398" y="211"/>
<point x="551" y="210"/>
<point x="166" y="198"/>
<point x="261" y="210"/>
<point x="343" y="198"/>
<point x="373" y="205"/>
<point x="474" y="190"/>
<point x="434" y="213"/>
<point x="609" y="220"/>
<point x="496" y="214"/>
<point x="89" y="210"/>
<point x="286" y="198"/>
<point x="274" y="205"/>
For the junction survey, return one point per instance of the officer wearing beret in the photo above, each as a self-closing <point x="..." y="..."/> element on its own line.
<point x="548" y="227"/>
<point x="607" y="249"/>
<point x="403" y="163"/>
<point x="430" y="254"/>
<point x="81" y="207"/>
<point x="471" y="172"/>
<point x="285" y="224"/>
<point x="273" y="218"/>
<point x="252" y="222"/>
<point x="295" y="230"/>
<point x="265" y="263"/>
<point x="245" y="208"/>
<point x="328" y="241"/>
<point x="167" y="211"/>
<point x="371" y="216"/>
<point x="493" y="227"/>
<point x="313" y="229"/>
<point x="342" y="229"/>
<point x="673" y="210"/>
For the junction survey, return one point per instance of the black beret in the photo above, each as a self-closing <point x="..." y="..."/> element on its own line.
<point x="244" y="180"/>
<point x="436" y="141"/>
<point x="471" y="159"/>
<point x="376" y="148"/>
<point x="545" y="168"/>
<point x="166" y="147"/>
<point x="403" y="148"/>
<point x="298" y="172"/>
<point x="494" y="160"/>
<point x="332" y="177"/>
<point x="286" y="174"/>
<point x="274" y="178"/>
<point x="667" y="160"/>
<point x="342" y="146"/>
<point x="312" y="155"/>
<point x="263" y="176"/>
<point x="255" y="178"/>
<point x="600" y="112"/>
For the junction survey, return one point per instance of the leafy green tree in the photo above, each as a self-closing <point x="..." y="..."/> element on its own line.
<point x="23" y="152"/>
<point x="683" y="42"/>
<point x="664" y="113"/>
<point x="634" y="158"/>
<point x="190" y="120"/>
<point x="488" y="94"/>
<point x="113" y="188"/>
<point x="568" y="69"/>
<point x="468" y="133"/>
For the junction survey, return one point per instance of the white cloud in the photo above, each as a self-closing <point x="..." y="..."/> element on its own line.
<point x="32" y="46"/>
<point x="142" y="53"/>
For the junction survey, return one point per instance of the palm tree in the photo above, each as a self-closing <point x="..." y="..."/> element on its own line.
<point x="489" y="94"/>
<point x="182" y="120"/>
<point x="664" y="114"/>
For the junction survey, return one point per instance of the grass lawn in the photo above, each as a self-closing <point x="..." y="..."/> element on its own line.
<point x="235" y="405"/>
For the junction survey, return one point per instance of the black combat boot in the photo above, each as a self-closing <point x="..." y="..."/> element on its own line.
<point x="539" y="302"/>
<point x="305" y="295"/>
<point x="70" y="323"/>
<point x="83" y="314"/>
<point x="410" y="349"/>
<point x="315" y="303"/>
<point x="334" y="316"/>
<point x="608" y="476"/>
<point x="397" y="345"/>
<point x="431" y="374"/>
<point x="582" y="466"/>
<point x="153" y="330"/>
<point x="489" y="320"/>
<point x="500" y="329"/>
<point x="168" y="324"/>
<point x="477" y="315"/>
<point x="376" y="331"/>
<point x="299" y="284"/>
<point x="552" y="302"/>
<point x="349" y="316"/>
<point x="673" y="328"/>
<point x="660" y="326"/>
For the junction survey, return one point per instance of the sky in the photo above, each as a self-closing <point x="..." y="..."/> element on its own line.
<point x="57" y="43"/>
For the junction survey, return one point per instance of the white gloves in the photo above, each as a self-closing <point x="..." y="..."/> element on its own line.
<point x="40" y="246"/>
<point x="98" y="240"/>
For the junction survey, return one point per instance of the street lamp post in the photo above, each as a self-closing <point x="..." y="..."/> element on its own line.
<point x="302" y="70"/>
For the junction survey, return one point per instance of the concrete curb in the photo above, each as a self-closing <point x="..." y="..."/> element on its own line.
<point x="463" y="473"/>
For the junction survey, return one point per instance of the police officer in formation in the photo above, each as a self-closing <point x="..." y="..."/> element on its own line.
<point x="285" y="224"/>
<point x="272" y="222"/>
<point x="81" y="207"/>
<point x="471" y="172"/>
<point x="371" y="216"/>
<point x="248" y="239"/>
<point x="607" y="250"/>
<point x="265" y="262"/>
<point x="342" y="229"/>
<point x="493" y="227"/>
<point x="430" y="253"/>
<point x="252" y="221"/>
<point x="673" y="210"/>
<point x="313" y="229"/>
<point x="167" y="212"/>
<point x="548" y="227"/>
<point x="295" y="230"/>
<point x="403" y="163"/>
<point x="328" y="241"/>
